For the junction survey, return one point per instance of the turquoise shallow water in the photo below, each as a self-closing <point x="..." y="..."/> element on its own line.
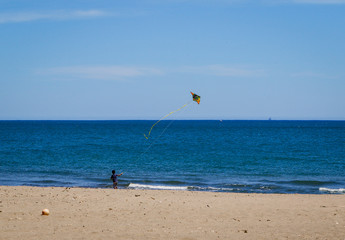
<point x="229" y="156"/>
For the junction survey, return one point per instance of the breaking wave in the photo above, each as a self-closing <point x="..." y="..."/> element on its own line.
<point x="332" y="190"/>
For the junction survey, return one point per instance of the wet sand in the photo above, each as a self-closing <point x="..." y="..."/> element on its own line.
<point x="82" y="213"/>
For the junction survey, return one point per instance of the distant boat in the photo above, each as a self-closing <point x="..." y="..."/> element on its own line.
<point x="269" y="119"/>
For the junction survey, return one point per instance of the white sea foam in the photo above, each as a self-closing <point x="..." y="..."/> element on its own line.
<point x="156" y="187"/>
<point x="214" y="189"/>
<point x="159" y="187"/>
<point x="332" y="190"/>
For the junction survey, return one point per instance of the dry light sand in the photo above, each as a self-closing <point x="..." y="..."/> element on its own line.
<point x="81" y="213"/>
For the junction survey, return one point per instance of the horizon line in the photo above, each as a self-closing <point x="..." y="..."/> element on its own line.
<point x="103" y="120"/>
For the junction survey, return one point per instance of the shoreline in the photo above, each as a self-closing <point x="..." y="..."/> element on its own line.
<point x="94" y="213"/>
<point x="135" y="186"/>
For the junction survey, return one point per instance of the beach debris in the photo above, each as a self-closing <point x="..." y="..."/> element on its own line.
<point x="137" y="195"/>
<point x="45" y="211"/>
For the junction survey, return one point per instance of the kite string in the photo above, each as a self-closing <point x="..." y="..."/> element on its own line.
<point x="156" y="139"/>
<point x="148" y="135"/>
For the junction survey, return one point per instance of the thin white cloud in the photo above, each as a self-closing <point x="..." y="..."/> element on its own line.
<point x="305" y="2"/>
<point x="117" y="72"/>
<point x="54" y="15"/>
<point x="320" y="1"/>
<point x="314" y="75"/>
<point x="223" y="70"/>
<point x="100" y="72"/>
<point x="246" y="2"/>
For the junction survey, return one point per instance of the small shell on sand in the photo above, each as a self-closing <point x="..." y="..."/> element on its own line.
<point x="45" y="211"/>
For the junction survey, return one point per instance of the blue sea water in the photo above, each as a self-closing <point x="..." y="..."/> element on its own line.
<point x="226" y="156"/>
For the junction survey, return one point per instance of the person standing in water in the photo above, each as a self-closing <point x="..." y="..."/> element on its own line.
<point x="114" y="178"/>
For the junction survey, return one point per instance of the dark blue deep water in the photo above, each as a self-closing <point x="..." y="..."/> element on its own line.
<point x="227" y="156"/>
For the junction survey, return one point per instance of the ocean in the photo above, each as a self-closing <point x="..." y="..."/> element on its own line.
<point x="304" y="157"/>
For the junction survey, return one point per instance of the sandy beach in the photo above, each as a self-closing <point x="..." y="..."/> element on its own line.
<point x="82" y="213"/>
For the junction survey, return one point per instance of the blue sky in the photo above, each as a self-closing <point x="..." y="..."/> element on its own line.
<point x="247" y="59"/>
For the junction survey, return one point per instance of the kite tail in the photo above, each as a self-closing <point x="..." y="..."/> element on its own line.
<point x="148" y="135"/>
